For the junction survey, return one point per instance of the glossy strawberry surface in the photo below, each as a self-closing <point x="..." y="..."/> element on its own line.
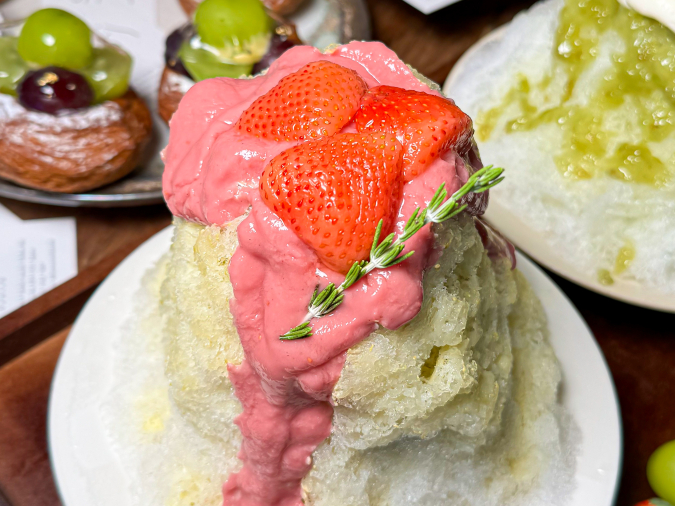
<point x="314" y="102"/>
<point x="427" y="125"/>
<point x="334" y="191"/>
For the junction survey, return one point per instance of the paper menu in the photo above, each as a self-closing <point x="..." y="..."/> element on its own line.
<point x="35" y="256"/>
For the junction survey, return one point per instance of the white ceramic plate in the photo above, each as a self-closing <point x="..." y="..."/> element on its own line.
<point x="89" y="473"/>
<point x="141" y="27"/>
<point x="531" y="242"/>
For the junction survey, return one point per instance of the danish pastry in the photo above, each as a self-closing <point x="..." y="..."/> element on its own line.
<point x="68" y="120"/>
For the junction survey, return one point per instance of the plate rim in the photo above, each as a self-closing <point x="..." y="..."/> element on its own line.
<point x="23" y="194"/>
<point x="151" y="250"/>
<point x="514" y="228"/>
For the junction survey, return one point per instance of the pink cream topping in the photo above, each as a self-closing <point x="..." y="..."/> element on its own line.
<point x="211" y="177"/>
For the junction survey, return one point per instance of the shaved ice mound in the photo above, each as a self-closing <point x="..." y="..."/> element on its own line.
<point x="458" y="406"/>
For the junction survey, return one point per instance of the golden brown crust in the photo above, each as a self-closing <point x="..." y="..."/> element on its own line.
<point x="170" y="93"/>
<point x="74" y="153"/>
<point x="278" y="6"/>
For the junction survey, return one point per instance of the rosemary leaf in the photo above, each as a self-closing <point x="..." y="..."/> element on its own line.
<point x="389" y="252"/>
<point x="300" y="332"/>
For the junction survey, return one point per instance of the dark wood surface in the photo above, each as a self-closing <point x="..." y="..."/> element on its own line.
<point x="639" y="344"/>
<point x="25" y="475"/>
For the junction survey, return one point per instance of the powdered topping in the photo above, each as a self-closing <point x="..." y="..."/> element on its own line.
<point x="97" y="116"/>
<point x="316" y="101"/>
<point x="213" y="175"/>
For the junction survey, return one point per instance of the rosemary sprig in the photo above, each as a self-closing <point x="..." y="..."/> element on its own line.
<point x="389" y="252"/>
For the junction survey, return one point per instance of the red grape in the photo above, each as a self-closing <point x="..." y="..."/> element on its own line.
<point x="279" y="44"/>
<point x="53" y="89"/>
<point x="173" y="44"/>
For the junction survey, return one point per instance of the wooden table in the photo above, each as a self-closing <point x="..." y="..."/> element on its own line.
<point x="639" y="344"/>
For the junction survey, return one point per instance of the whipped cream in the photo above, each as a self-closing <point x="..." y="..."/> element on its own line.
<point x="662" y="11"/>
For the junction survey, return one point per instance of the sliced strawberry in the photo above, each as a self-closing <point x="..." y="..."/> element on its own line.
<point x="334" y="191"/>
<point x="427" y="125"/>
<point x="316" y="101"/>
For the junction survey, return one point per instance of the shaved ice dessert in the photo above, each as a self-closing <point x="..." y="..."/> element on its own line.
<point x="578" y="97"/>
<point x="334" y="323"/>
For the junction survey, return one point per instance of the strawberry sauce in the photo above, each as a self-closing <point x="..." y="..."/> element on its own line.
<point x="285" y="387"/>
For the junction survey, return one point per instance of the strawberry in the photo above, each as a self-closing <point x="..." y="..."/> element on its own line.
<point x="427" y="125"/>
<point x="653" y="502"/>
<point x="333" y="192"/>
<point x="316" y="101"/>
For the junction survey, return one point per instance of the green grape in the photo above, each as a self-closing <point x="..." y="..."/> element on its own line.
<point x="203" y="64"/>
<point x="56" y="37"/>
<point x="108" y="73"/>
<point x="661" y="471"/>
<point x="12" y="66"/>
<point x="237" y="23"/>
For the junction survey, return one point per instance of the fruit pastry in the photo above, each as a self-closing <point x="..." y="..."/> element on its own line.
<point x="282" y="7"/>
<point x="69" y="121"/>
<point x="339" y="327"/>
<point x="228" y="38"/>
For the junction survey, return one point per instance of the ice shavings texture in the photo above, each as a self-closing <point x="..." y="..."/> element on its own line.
<point x="458" y="406"/>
